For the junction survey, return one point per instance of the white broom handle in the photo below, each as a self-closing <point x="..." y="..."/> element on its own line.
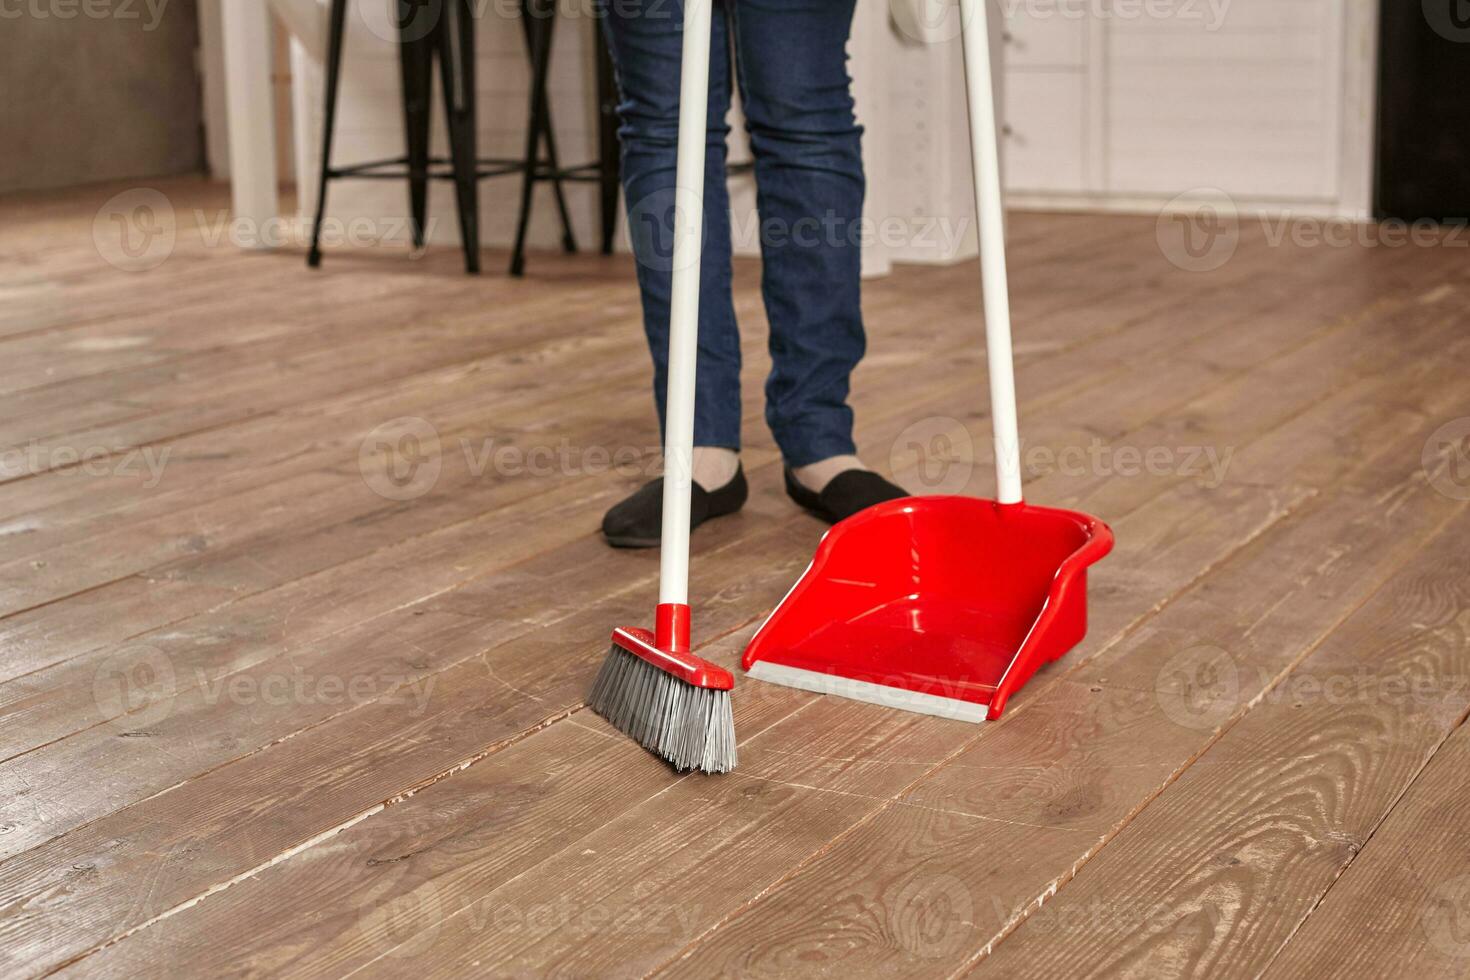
<point x="985" y="167"/>
<point x="684" y="303"/>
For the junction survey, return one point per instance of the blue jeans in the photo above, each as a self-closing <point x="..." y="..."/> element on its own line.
<point x="790" y="62"/>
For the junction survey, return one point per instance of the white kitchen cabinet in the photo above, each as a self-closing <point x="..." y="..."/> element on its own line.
<point x="1130" y="103"/>
<point x="1045" y="131"/>
<point x="1045" y="34"/>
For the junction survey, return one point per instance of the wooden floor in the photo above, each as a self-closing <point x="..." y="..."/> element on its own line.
<point x="301" y="595"/>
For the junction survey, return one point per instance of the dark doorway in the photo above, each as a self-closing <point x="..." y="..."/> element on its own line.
<point x="1423" y="159"/>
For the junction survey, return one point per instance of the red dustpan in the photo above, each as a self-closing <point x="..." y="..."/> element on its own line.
<point x="944" y="605"/>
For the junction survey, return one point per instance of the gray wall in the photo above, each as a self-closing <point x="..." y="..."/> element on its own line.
<point x="97" y="90"/>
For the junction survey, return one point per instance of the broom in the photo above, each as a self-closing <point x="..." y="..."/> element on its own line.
<point x="651" y="687"/>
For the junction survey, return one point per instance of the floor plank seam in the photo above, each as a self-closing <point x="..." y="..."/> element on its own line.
<point x="1319" y="321"/>
<point x="148" y="444"/>
<point x="1302" y="505"/>
<point x="492" y="749"/>
<point x="680" y="779"/>
<point x="262" y="748"/>
<point x="66" y="598"/>
<point x="905" y="804"/>
<point x="290" y="408"/>
<point x="287" y="653"/>
<point x="145" y="573"/>
<point x="1358" y="851"/>
<point x="1119" y="637"/>
<point x="816" y="855"/>
<point x="1341" y="325"/>
<point x="216" y="889"/>
<point x="121" y="642"/>
<point x="320" y="837"/>
<point x="445" y="528"/>
<point x="1092" y="338"/>
<point x="1173" y="777"/>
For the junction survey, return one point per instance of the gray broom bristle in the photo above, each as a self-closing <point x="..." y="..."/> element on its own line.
<point x="692" y="727"/>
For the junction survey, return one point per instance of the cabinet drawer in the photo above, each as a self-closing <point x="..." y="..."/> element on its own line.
<point x="1044" y="126"/>
<point x="1046" y="34"/>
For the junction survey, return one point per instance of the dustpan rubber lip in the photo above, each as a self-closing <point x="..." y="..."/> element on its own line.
<point x="856" y="690"/>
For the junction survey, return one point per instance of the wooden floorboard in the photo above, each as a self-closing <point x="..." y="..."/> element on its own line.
<point x="103" y="741"/>
<point x="354" y="738"/>
<point x="1399" y="909"/>
<point x="1219" y="872"/>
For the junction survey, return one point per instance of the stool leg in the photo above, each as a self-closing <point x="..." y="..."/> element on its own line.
<point x="416" y="61"/>
<point x="538" y="22"/>
<point x="457" y="62"/>
<point x="609" y="162"/>
<point x="548" y="133"/>
<point x="553" y="164"/>
<point x="335" y="28"/>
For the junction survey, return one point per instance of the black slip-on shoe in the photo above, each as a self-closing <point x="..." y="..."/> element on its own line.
<point x="844" y="495"/>
<point x="638" y="521"/>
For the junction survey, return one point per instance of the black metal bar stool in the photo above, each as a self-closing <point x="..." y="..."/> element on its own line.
<point x="427" y="29"/>
<point x="446" y="29"/>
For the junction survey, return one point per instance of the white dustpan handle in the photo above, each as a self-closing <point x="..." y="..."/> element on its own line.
<point x="684" y="303"/>
<point x="985" y="164"/>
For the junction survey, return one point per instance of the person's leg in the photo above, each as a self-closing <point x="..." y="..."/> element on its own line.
<point x="791" y="62"/>
<point x="645" y="38"/>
